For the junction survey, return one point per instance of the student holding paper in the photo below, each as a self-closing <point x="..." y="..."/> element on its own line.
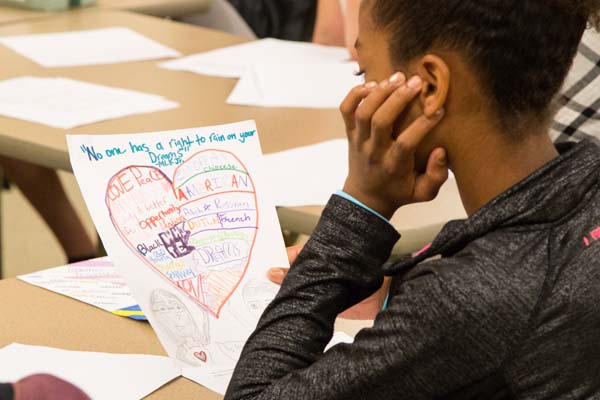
<point x="512" y="307"/>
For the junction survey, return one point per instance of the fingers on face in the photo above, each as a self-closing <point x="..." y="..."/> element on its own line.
<point x="350" y="104"/>
<point x="407" y="142"/>
<point x="374" y="100"/>
<point x="428" y="185"/>
<point x="387" y="114"/>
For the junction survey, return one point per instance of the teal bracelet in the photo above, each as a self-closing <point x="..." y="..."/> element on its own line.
<point x="346" y="196"/>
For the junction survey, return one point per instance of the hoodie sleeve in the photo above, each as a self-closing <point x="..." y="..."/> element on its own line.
<point x="422" y="346"/>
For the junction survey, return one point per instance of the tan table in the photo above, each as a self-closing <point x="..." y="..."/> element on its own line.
<point x="159" y="8"/>
<point x="34" y="316"/>
<point x="202" y="102"/>
<point x="10" y="15"/>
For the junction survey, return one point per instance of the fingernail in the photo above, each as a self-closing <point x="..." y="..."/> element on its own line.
<point x="384" y="83"/>
<point x="414" y="82"/>
<point x="442" y="160"/>
<point x="371" y="85"/>
<point x="397" y="77"/>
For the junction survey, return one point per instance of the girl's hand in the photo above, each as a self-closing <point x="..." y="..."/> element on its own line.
<point x="277" y="275"/>
<point x="382" y="171"/>
<point x="366" y="310"/>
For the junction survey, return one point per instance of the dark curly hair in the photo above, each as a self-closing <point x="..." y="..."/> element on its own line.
<point x="522" y="50"/>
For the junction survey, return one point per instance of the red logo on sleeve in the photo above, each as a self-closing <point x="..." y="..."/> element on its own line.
<point x="594" y="236"/>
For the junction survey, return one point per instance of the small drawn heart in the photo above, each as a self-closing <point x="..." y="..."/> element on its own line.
<point x="201" y="355"/>
<point x="197" y="230"/>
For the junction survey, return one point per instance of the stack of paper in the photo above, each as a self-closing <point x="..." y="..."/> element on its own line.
<point x="307" y="175"/>
<point x="296" y="85"/>
<point x="97" y="46"/>
<point x="67" y="103"/>
<point x="233" y="61"/>
<point x="278" y="73"/>
<point x="94" y="282"/>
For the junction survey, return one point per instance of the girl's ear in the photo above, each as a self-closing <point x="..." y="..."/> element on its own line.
<point x="436" y="83"/>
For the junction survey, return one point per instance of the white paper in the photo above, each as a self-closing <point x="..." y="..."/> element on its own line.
<point x="106" y="376"/>
<point x="339" y="337"/>
<point x="307" y="175"/>
<point x="67" y="103"/>
<point x="218" y="383"/>
<point x="89" y="47"/>
<point x="102" y="376"/>
<point x="95" y="282"/>
<point x="233" y="61"/>
<point x="187" y="220"/>
<point x="297" y="85"/>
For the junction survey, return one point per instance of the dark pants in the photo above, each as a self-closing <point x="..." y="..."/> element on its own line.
<point x="282" y="19"/>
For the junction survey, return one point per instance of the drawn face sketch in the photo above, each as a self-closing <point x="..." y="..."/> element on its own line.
<point x="258" y="295"/>
<point x="173" y="315"/>
<point x="231" y="349"/>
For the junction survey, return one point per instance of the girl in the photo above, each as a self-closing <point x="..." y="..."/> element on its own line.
<point x="512" y="308"/>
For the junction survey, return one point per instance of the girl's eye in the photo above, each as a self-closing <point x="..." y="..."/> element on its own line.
<point x="360" y="72"/>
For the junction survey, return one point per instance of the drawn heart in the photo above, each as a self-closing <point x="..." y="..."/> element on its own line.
<point x="200" y="355"/>
<point x="196" y="230"/>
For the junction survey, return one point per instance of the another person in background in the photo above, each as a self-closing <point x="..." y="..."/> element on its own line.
<point x="42" y="187"/>
<point x="337" y="24"/>
<point x="327" y="22"/>
<point x="578" y="117"/>
<point x="280" y="19"/>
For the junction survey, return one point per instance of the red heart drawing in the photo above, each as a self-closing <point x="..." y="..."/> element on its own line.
<point x="196" y="230"/>
<point x="200" y="355"/>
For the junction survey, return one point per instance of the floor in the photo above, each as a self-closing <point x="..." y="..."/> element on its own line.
<point x="28" y="244"/>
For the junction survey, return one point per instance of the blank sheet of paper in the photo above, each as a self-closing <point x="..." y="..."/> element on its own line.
<point x="89" y="47"/>
<point x="67" y="103"/>
<point x="102" y="376"/>
<point x="339" y="337"/>
<point x="297" y="85"/>
<point x="307" y="175"/>
<point x="95" y="282"/>
<point x="233" y="61"/>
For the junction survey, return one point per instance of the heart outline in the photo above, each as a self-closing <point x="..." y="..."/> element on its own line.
<point x="171" y="184"/>
<point x="201" y="355"/>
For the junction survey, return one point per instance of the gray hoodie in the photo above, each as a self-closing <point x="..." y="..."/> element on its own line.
<point x="510" y="311"/>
